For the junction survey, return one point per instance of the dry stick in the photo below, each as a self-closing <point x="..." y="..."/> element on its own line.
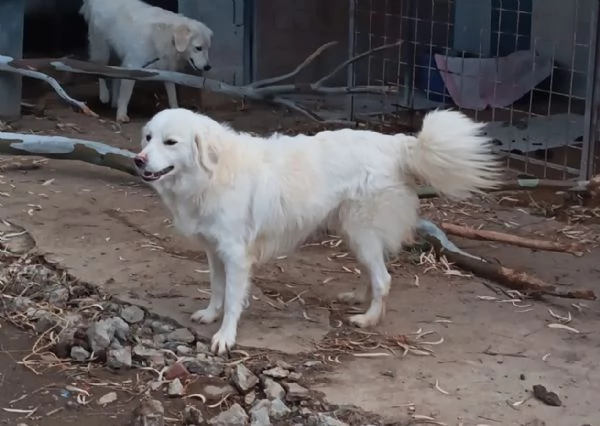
<point x="25" y="72"/>
<point x="501" y="237"/>
<point x="262" y="91"/>
<point x="63" y="148"/>
<point x="510" y="278"/>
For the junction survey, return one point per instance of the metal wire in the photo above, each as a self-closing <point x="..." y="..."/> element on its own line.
<point x="541" y="109"/>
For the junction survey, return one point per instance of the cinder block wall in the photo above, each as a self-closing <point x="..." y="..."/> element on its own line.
<point x="287" y="31"/>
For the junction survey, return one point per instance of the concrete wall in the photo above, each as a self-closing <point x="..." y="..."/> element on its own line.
<point x="287" y="31"/>
<point x="561" y="29"/>
<point x="226" y="19"/>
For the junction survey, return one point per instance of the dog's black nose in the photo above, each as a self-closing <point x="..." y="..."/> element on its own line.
<point x="139" y="161"/>
<point x="207" y="67"/>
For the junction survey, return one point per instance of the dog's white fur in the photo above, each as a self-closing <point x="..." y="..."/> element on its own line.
<point x="138" y="34"/>
<point x="246" y="198"/>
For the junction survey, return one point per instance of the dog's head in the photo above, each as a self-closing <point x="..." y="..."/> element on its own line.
<point x="192" y="40"/>
<point x="176" y="143"/>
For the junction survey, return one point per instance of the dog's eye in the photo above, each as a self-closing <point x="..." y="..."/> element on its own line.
<point x="170" y="142"/>
<point x="148" y="137"/>
<point x="199" y="48"/>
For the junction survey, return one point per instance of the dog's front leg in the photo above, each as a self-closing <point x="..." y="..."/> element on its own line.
<point x="237" y="282"/>
<point x="171" y="94"/>
<point x="217" y="292"/>
<point x="125" y="91"/>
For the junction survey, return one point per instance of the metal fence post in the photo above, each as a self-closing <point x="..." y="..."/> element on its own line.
<point x="11" y="44"/>
<point x="592" y="101"/>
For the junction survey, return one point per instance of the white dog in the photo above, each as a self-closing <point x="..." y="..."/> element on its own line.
<point x="143" y="36"/>
<point x="246" y="199"/>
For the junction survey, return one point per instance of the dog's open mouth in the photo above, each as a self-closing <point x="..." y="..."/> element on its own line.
<point x="152" y="176"/>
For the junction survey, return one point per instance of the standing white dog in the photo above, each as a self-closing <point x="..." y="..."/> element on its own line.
<point x="246" y="199"/>
<point x="143" y="36"/>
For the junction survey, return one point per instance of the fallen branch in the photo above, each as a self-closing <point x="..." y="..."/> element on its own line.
<point x="63" y="148"/>
<point x="515" y="280"/>
<point x="263" y="91"/>
<point x="31" y="73"/>
<point x="583" y="186"/>
<point x="501" y="237"/>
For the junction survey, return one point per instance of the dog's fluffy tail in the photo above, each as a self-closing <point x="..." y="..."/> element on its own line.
<point x="452" y="155"/>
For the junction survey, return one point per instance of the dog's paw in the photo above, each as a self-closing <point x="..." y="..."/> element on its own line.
<point x="122" y="118"/>
<point x="206" y="316"/>
<point x="363" y="320"/>
<point x="222" y="342"/>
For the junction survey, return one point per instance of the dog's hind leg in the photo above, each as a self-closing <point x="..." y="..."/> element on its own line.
<point x="217" y="288"/>
<point x="237" y="283"/>
<point x="99" y="52"/>
<point x="368" y="249"/>
<point x="171" y="94"/>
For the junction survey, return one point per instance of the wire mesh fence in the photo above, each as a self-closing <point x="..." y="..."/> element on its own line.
<point x="527" y="67"/>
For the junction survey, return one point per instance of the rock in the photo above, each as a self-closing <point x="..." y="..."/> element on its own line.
<point x="202" y="347"/>
<point x="176" y="371"/>
<point x="273" y="390"/>
<point x="278" y="409"/>
<point x="57" y="295"/>
<point x="325" y="420"/>
<point x="101" y="333"/>
<point x="19" y="303"/>
<point x="79" y="354"/>
<point x="283" y="364"/>
<point x="215" y="392"/>
<point x="44" y="321"/>
<point x="310" y="364"/>
<point x="175" y="388"/>
<point x="144" y="352"/>
<point x="294" y="376"/>
<point x="183" y="350"/>
<point x="119" y="358"/>
<point x="132" y="314"/>
<point x="182" y="335"/>
<point x="243" y="379"/>
<point x="259" y="414"/>
<point x="277" y="373"/>
<point x="235" y="416"/>
<point x="295" y="392"/>
<point x="161" y="327"/>
<point x="107" y="399"/>
<point x="249" y="398"/>
<point x="150" y="412"/>
<point x="192" y="416"/>
<point x="203" y="368"/>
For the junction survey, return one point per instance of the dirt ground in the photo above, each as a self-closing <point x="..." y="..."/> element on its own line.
<point x="108" y="229"/>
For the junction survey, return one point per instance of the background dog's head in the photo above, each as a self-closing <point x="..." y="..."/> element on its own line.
<point x="192" y="39"/>
<point x="178" y="142"/>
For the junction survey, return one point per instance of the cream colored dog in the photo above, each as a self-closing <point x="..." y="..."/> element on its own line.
<point x="143" y="36"/>
<point x="246" y="199"/>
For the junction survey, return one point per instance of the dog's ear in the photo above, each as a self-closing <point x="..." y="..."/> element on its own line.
<point x="181" y="37"/>
<point x="207" y="156"/>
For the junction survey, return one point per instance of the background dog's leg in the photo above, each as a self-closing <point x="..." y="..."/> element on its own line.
<point x="217" y="296"/>
<point x="125" y="91"/>
<point x="237" y="283"/>
<point x="171" y="94"/>
<point x="115" y="85"/>
<point x="368" y="250"/>
<point x="99" y="52"/>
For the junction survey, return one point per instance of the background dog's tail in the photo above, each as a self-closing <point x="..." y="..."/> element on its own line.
<point x="452" y="155"/>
